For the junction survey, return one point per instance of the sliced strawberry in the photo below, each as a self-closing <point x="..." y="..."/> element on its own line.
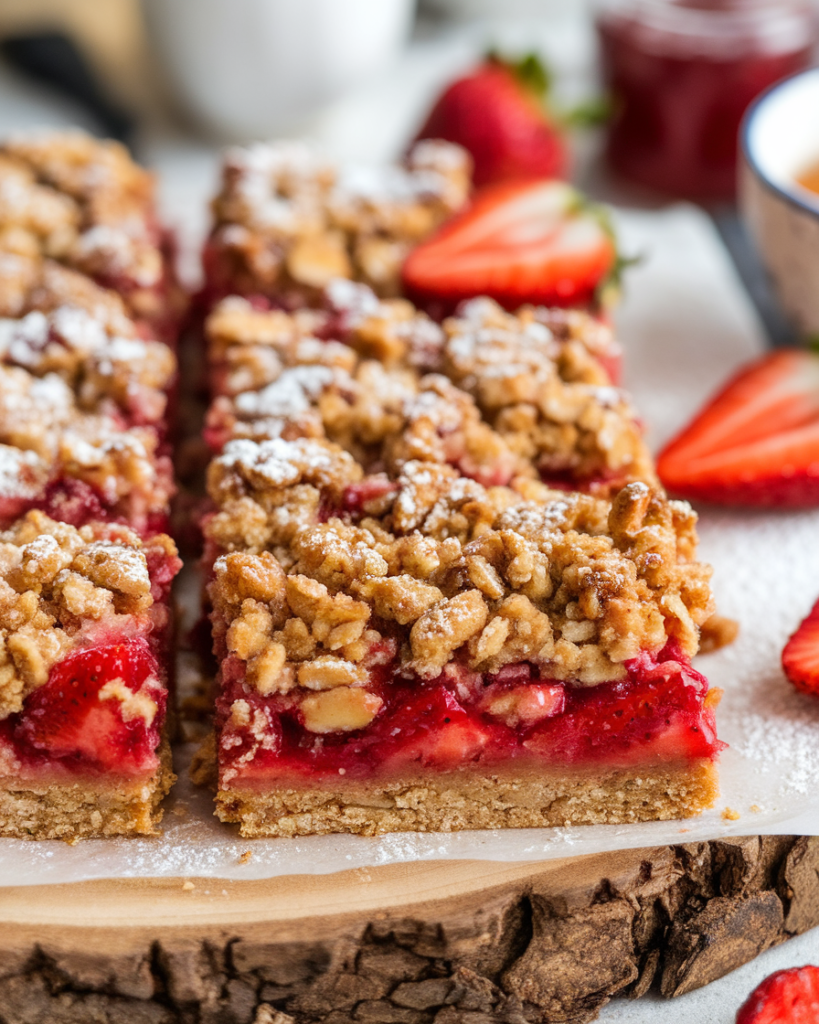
<point x="74" y="718"/>
<point x="432" y="728"/>
<point x="757" y="441"/>
<point x="523" y="705"/>
<point x="785" y="997"/>
<point x="800" y="658"/>
<point x="499" y="113"/>
<point x="656" y="716"/>
<point x="538" y="242"/>
<point x="455" y="743"/>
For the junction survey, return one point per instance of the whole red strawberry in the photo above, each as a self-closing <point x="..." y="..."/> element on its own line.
<point x="786" y="997"/>
<point x="498" y="113"/>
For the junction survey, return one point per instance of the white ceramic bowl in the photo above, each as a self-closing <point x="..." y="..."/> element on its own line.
<point x="779" y="140"/>
<point x="250" y="69"/>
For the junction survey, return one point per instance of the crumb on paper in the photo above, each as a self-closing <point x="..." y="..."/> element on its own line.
<point x="729" y="814"/>
<point x="188" y="886"/>
<point x="179" y="811"/>
<point x="245" y="857"/>
<point x="71" y="840"/>
<point x="755" y="809"/>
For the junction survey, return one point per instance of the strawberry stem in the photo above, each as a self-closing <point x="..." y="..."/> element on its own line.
<point x="530" y="70"/>
<point x="536" y="77"/>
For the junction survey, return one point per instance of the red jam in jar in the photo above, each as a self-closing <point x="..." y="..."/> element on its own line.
<point x="681" y="74"/>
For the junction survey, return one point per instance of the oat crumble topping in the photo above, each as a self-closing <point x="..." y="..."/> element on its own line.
<point x="61" y="589"/>
<point x="510" y="395"/>
<point x="333" y="573"/>
<point x="28" y="284"/>
<point x="537" y="378"/>
<point x="46" y="435"/>
<point x="287" y="221"/>
<point x="84" y="202"/>
<point x="99" y="365"/>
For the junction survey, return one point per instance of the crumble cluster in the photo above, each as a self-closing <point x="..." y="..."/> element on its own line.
<point x="540" y="380"/>
<point x="28" y="283"/>
<point x="495" y="394"/>
<point x="68" y="197"/>
<point x="329" y="573"/>
<point x="287" y="221"/>
<point x="48" y="436"/>
<point x="102" y="367"/>
<point x="60" y="589"/>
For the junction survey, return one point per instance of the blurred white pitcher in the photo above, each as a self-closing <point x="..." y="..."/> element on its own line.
<point x="253" y="68"/>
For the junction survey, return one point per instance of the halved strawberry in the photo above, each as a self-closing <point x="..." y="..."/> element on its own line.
<point x="538" y="242"/>
<point x="75" y="718"/>
<point x="800" y="658"/>
<point x="757" y="441"/>
<point x="499" y="114"/>
<point x="785" y="997"/>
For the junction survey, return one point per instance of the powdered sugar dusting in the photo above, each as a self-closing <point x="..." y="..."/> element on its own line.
<point x="130" y="562"/>
<point x="22" y="474"/>
<point x="279" y="462"/>
<point x="787" y="743"/>
<point x="289" y="397"/>
<point x="118" y="247"/>
<point x="767" y="575"/>
<point x="385" y="185"/>
<point x="356" y="301"/>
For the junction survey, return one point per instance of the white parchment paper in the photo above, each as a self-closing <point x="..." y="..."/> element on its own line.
<point x="685" y="324"/>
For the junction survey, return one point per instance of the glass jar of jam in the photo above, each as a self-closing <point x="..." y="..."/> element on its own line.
<point x="681" y="74"/>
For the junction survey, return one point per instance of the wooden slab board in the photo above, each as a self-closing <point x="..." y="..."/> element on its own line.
<point x="444" y="942"/>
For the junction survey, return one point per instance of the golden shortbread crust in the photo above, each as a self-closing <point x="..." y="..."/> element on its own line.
<point x="452" y="801"/>
<point x="84" y="809"/>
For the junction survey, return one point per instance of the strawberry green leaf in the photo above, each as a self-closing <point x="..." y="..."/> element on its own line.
<point x="530" y="70"/>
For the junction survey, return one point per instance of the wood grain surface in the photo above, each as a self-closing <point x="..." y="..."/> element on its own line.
<point x="426" y="943"/>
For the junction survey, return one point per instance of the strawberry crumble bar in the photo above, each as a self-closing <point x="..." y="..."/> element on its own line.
<point x="82" y="420"/>
<point x="418" y="651"/>
<point x="84" y="203"/>
<point x="88" y="312"/>
<point x="85" y="636"/>
<point x="287" y="221"/>
<point x="495" y="394"/>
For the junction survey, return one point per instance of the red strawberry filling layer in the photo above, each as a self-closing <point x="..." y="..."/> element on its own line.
<point x="658" y="715"/>
<point x="100" y="712"/>
<point x="77" y="503"/>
